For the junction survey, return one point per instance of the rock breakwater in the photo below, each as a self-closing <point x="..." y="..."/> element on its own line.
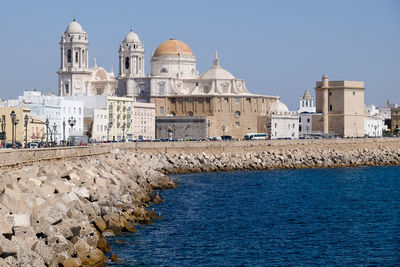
<point x="60" y="213"/>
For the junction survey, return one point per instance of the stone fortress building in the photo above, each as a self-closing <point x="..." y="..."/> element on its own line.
<point x="339" y="107"/>
<point x="173" y="84"/>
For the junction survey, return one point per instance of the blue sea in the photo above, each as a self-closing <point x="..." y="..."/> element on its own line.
<point x="348" y="216"/>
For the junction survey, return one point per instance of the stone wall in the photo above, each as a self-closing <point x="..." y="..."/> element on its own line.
<point x="10" y="158"/>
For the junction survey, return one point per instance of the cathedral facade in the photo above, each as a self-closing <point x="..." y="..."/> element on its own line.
<point x="173" y="83"/>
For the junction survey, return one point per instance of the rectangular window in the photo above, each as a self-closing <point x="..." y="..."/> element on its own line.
<point x="161" y="110"/>
<point x="237" y="123"/>
<point x="308" y="120"/>
<point x="299" y="119"/>
<point x="354" y="92"/>
<point x="190" y="100"/>
<point x="237" y="100"/>
<point x="330" y="107"/>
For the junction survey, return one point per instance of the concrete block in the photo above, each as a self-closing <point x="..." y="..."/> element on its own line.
<point x="82" y="192"/>
<point x="71" y="196"/>
<point x="47" y="253"/>
<point x="22" y="219"/>
<point x="7" y="248"/>
<point x="5" y="225"/>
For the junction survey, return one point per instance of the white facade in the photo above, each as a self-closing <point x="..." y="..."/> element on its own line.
<point x="371" y="110"/>
<point x="305" y="123"/>
<point x="373" y="126"/>
<point x="306" y="111"/>
<point x="131" y="65"/>
<point x="306" y="103"/>
<point x="144" y="121"/>
<point x="284" y="124"/>
<point x="54" y="108"/>
<point x="100" y="124"/>
<point x="74" y="76"/>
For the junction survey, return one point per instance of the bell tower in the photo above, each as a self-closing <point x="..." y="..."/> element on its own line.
<point x="74" y="74"/>
<point x="131" y="65"/>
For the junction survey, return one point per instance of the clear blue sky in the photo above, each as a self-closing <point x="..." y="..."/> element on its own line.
<point x="278" y="47"/>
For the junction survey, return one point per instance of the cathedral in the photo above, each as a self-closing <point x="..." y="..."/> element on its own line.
<point x="173" y="83"/>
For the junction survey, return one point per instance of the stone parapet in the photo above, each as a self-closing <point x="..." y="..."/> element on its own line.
<point x="10" y="158"/>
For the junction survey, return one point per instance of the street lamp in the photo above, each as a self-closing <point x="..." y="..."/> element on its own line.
<point x="3" y="130"/>
<point x="14" y="122"/>
<point x="223" y="129"/>
<point x="123" y="132"/>
<point x="47" y="131"/>
<point x="55" y="131"/>
<point x="209" y="128"/>
<point x="108" y="130"/>
<point x="72" y="122"/>
<point x="64" y="132"/>
<point x="26" y="120"/>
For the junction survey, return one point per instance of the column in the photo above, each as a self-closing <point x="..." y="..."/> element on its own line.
<point x="120" y="66"/>
<point x="80" y="57"/>
<point x="62" y="57"/>
<point x="325" y="109"/>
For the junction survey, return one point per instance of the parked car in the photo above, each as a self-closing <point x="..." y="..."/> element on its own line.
<point x="226" y="138"/>
<point x="17" y="145"/>
<point x="32" y="145"/>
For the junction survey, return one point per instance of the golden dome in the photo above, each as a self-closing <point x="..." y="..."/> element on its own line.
<point x="173" y="47"/>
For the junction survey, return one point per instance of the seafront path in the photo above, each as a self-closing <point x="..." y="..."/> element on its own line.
<point x="20" y="157"/>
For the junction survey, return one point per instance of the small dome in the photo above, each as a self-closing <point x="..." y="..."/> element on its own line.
<point x="74" y="27"/>
<point x="173" y="47"/>
<point x="216" y="72"/>
<point x="131" y="37"/>
<point x="278" y="107"/>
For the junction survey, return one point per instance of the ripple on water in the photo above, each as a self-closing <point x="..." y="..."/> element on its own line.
<point x="281" y="217"/>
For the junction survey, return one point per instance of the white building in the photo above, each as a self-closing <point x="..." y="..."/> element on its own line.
<point x="371" y="110"/>
<point x="56" y="109"/>
<point x="306" y="111"/>
<point x="373" y="126"/>
<point x="116" y="118"/>
<point x="306" y="103"/>
<point x="284" y="124"/>
<point x="74" y="76"/>
<point x="144" y="121"/>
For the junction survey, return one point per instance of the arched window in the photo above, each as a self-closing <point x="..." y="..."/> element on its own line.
<point x="66" y="88"/>
<point x="127" y="63"/>
<point x="190" y="114"/>
<point x="69" y="55"/>
<point x="76" y="57"/>
<point x="173" y="113"/>
<point x="163" y="70"/>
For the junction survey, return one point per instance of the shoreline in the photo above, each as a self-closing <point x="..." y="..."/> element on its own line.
<point x="61" y="211"/>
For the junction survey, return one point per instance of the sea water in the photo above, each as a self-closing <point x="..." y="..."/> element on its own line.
<point x="347" y="216"/>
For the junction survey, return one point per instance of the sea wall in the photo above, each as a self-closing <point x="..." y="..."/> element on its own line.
<point x="22" y="157"/>
<point x="59" y="209"/>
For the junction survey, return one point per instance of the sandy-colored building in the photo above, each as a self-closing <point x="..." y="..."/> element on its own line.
<point x="36" y="128"/>
<point x="395" y="115"/>
<point x="130" y="120"/>
<point x="340" y="108"/>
